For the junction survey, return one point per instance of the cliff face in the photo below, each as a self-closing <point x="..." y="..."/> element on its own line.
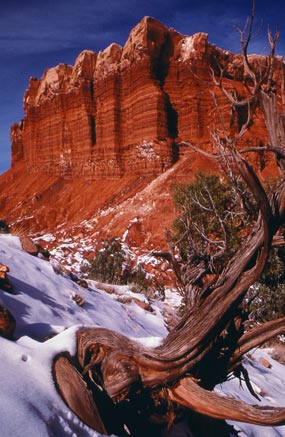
<point x="119" y="114"/>
<point x="124" y="110"/>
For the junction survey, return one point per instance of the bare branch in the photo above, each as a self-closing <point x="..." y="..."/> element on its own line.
<point x="255" y="337"/>
<point x="199" y="150"/>
<point x="189" y="394"/>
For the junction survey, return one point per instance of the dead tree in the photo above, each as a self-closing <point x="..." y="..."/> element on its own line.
<point x="136" y="385"/>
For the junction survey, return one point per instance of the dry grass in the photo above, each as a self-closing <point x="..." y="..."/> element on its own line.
<point x="22" y="229"/>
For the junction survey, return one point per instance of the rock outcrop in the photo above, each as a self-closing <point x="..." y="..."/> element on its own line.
<point x="124" y="110"/>
<point x="123" y="114"/>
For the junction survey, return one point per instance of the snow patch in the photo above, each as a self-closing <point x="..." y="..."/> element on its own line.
<point x="146" y="150"/>
<point x="187" y="47"/>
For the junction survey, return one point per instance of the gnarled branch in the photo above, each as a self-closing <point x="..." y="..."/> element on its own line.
<point x="190" y="395"/>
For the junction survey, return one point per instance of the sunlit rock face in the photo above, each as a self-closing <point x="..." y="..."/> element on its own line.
<point x="125" y="110"/>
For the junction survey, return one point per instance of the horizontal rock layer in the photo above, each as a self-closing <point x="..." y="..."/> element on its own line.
<point x="125" y="110"/>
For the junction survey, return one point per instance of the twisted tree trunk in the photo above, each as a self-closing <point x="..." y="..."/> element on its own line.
<point x="198" y="353"/>
<point x="113" y="376"/>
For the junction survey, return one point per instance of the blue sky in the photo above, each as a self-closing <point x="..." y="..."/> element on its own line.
<point x="36" y="34"/>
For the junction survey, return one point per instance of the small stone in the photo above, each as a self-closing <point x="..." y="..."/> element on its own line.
<point x="29" y="246"/>
<point x="264" y="363"/>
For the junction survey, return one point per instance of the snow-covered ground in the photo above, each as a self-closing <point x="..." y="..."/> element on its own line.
<point x="43" y="305"/>
<point x="269" y="385"/>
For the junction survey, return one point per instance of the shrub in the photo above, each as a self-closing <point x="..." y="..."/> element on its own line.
<point x="210" y="211"/>
<point x="211" y="216"/>
<point x="4" y="227"/>
<point x="113" y="266"/>
<point x="139" y="279"/>
<point x="266" y="299"/>
<point x="108" y="263"/>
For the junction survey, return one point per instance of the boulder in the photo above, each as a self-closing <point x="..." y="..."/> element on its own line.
<point x="29" y="246"/>
<point x="7" y="323"/>
<point x="4" y="280"/>
<point x="265" y="363"/>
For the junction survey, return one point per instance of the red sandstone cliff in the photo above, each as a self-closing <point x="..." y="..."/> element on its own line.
<point x="124" y="110"/>
<point x="100" y="139"/>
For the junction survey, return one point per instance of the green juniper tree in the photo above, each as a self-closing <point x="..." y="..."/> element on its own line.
<point x="213" y="219"/>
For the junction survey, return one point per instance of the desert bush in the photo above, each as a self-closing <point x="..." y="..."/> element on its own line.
<point x="266" y="298"/>
<point x="4" y="227"/>
<point x="113" y="266"/>
<point x="139" y="280"/>
<point x="109" y="263"/>
<point x="214" y="217"/>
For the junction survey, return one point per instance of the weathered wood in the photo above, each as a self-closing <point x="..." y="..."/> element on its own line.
<point x="256" y="337"/>
<point x="188" y="393"/>
<point x="211" y="335"/>
<point x="74" y="391"/>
